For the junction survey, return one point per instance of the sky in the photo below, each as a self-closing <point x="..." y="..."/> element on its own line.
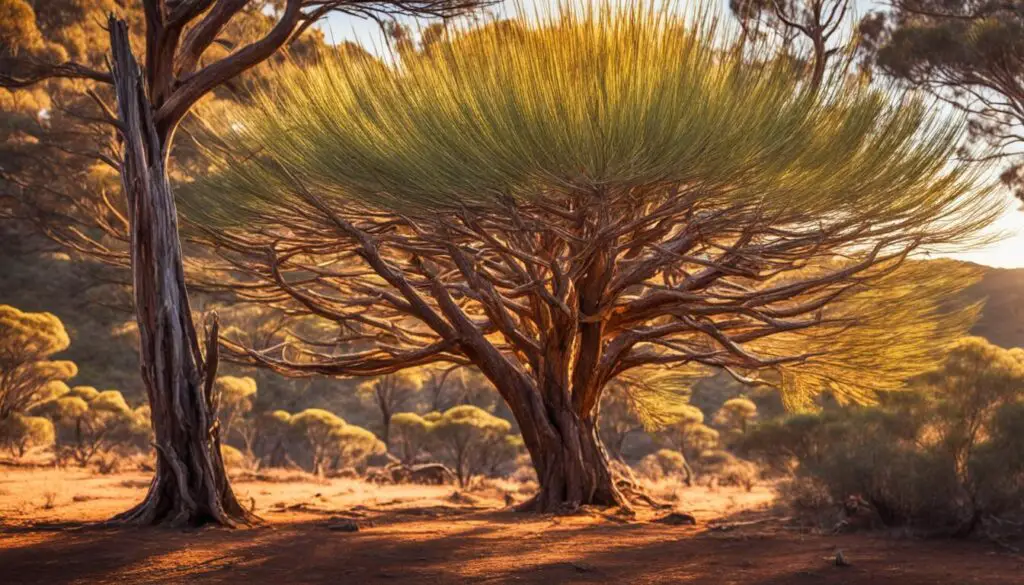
<point x="1008" y="252"/>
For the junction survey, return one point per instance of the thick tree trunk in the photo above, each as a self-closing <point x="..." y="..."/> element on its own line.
<point x="191" y="485"/>
<point x="572" y="466"/>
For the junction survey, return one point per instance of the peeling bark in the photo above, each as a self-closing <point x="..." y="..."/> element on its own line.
<point x="191" y="485"/>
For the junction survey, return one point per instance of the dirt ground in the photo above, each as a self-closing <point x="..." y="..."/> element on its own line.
<point x="422" y="534"/>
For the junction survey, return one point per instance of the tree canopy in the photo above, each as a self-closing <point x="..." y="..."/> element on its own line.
<point x="566" y="201"/>
<point x="968" y="53"/>
<point x="28" y="375"/>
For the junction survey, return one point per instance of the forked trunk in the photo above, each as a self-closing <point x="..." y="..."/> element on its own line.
<point x="191" y="485"/>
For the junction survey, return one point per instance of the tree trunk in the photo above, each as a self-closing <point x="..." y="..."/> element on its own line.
<point x="571" y="463"/>
<point x="191" y="486"/>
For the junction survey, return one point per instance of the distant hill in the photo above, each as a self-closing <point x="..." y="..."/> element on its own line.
<point x="1002" y="317"/>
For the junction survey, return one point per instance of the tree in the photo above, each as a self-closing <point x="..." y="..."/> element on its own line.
<point x="28" y="375"/>
<point x="471" y="439"/>
<point x="667" y="205"/>
<point x="88" y="422"/>
<point x="447" y="386"/>
<point x="274" y="429"/>
<point x="689" y="436"/>
<point x="191" y="486"/>
<point x="616" y="422"/>
<point x="353" y="445"/>
<point x="817" y="21"/>
<point x="409" y="435"/>
<point x="19" y="432"/>
<point x="968" y="54"/>
<point x="666" y="463"/>
<point x="976" y="379"/>
<point x="390" y="393"/>
<point x="234" y="396"/>
<point x="736" y="414"/>
<point x="316" y="429"/>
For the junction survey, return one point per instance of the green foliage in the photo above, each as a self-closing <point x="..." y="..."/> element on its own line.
<point x="409" y="435"/>
<point x="965" y="51"/>
<point x="18" y="433"/>
<point x="233" y="458"/>
<point x="27" y="343"/>
<point x="472" y="441"/>
<point x="665" y="464"/>
<point x="657" y="397"/>
<point x="521" y="103"/>
<point x="235" y="396"/>
<point x="89" y="423"/>
<point x="943" y="455"/>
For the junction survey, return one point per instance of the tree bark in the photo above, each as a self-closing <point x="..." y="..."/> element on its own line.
<point x="190" y="486"/>
<point x="572" y="465"/>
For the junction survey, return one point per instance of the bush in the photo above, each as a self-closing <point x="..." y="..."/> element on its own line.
<point x="89" y="423"/>
<point x="724" y="468"/>
<point x="665" y="464"/>
<point x="900" y="466"/>
<point x="233" y="458"/>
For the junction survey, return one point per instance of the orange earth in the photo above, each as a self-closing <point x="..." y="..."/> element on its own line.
<point x="429" y="534"/>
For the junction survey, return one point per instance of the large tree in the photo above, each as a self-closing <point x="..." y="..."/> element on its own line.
<point x="566" y="202"/>
<point x="182" y="63"/>
<point x="968" y="53"/>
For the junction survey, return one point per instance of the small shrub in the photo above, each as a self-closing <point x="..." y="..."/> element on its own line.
<point x="665" y="464"/>
<point x="49" y="500"/>
<point x="724" y="468"/>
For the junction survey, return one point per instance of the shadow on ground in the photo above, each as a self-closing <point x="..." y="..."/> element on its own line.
<point x="490" y="547"/>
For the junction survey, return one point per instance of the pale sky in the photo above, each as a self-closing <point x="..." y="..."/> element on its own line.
<point x="1007" y="253"/>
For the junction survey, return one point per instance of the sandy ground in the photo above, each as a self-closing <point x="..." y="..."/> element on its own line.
<point x="421" y="534"/>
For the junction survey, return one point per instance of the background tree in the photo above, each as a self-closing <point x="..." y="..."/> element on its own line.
<point x="234" y="396"/>
<point x="816" y="23"/>
<point x="410" y="433"/>
<point x="88" y="422"/>
<point x="716" y="214"/>
<point x="28" y="375"/>
<point x="274" y="430"/>
<point x="352" y="445"/>
<point x="390" y="393"/>
<point x="446" y="386"/>
<point x="471" y="440"/>
<point x="975" y="380"/>
<point x="666" y="464"/>
<point x="617" y="421"/>
<point x="191" y="486"/>
<point x="735" y="416"/>
<point x="316" y="430"/>
<point x="970" y="55"/>
<point x="19" y="432"/>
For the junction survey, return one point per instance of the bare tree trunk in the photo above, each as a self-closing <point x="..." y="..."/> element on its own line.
<point x="572" y="467"/>
<point x="191" y="486"/>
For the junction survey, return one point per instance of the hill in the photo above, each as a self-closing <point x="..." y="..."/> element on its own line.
<point x="1002" y="317"/>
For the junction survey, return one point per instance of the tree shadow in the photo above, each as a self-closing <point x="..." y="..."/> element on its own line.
<point x="494" y="546"/>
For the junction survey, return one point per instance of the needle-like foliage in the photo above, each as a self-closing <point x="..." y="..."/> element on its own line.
<point x="592" y="196"/>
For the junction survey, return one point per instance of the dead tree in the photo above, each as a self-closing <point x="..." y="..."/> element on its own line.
<point x="190" y="486"/>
